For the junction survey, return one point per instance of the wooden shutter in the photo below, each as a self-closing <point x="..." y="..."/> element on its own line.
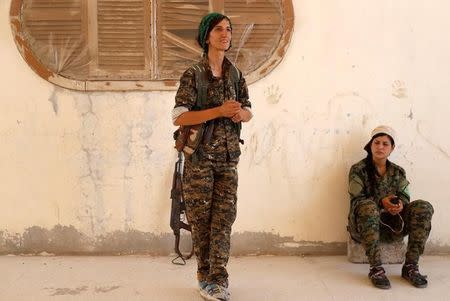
<point x="142" y="44"/>
<point x="56" y="33"/>
<point x="177" y="25"/>
<point x="123" y="39"/>
<point x="257" y="28"/>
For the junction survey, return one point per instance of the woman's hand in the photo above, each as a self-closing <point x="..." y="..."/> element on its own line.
<point x="229" y="108"/>
<point x="390" y="207"/>
<point x="243" y="115"/>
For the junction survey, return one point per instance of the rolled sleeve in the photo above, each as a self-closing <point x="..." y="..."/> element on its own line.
<point x="177" y="111"/>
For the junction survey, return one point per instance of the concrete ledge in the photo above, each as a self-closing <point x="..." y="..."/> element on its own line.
<point x="391" y="253"/>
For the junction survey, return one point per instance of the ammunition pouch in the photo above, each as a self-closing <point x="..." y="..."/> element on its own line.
<point x="188" y="138"/>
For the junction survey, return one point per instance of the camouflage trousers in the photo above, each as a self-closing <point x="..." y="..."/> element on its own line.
<point x="209" y="190"/>
<point x="367" y="229"/>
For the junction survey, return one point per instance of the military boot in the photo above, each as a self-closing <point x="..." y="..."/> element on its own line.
<point x="378" y="277"/>
<point x="411" y="273"/>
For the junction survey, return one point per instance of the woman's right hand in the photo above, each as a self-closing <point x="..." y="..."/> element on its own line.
<point x="390" y="207"/>
<point x="229" y="108"/>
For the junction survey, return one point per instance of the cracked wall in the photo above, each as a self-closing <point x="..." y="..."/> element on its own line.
<point x="90" y="173"/>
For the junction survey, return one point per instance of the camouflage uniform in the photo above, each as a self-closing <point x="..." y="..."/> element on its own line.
<point x="210" y="181"/>
<point x="365" y="210"/>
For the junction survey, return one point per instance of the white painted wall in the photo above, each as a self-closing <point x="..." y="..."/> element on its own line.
<point x="103" y="161"/>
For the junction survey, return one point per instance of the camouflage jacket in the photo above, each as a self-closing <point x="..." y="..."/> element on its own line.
<point x="224" y="143"/>
<point x="393" y="182"/>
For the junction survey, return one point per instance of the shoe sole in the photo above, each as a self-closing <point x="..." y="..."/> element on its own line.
<point x="205" y="296"/>
<point x="383" y="287"/>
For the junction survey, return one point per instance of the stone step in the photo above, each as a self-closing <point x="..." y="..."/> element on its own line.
<point x="391" y="253"/>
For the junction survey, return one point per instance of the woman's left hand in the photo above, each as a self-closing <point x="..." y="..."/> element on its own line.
<point x="243" y="115"/>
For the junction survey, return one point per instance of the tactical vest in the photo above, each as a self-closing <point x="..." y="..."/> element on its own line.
<point x="201" y="84"/>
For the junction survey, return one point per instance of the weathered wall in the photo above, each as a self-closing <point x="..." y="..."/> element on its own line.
<point x="90" y="172"/>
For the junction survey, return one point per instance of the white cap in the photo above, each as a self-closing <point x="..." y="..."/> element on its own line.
<point x="384" y="129"/>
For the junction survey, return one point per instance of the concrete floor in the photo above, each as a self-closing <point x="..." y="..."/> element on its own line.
<point x="252" y="278"/>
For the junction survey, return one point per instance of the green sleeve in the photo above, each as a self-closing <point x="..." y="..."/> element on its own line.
<point x="356" y="187"/>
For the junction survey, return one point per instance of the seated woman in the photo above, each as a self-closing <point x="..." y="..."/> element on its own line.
<point x="380" y="206"/>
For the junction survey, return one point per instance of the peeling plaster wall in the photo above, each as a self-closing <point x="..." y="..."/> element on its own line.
<point x="90" y="172"/>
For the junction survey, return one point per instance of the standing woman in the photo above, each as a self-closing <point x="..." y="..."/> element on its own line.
<point x="380" y="209"/>
<point x="210" y="176"/>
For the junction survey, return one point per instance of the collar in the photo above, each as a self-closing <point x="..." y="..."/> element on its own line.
<point x="225" y="67"/>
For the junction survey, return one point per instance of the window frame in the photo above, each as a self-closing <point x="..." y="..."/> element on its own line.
<point x="139" y="85"/>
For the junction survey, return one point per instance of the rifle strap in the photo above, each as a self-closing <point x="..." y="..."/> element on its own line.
<point x="181" y="259"/>
<point x="201" y="84"/>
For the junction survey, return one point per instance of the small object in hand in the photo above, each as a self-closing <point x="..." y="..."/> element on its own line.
<point x="395" y="200"/>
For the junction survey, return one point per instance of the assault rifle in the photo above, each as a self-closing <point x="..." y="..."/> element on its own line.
<point x="178" y="211"/>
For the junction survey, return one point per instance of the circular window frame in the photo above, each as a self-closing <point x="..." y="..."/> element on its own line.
<point x="138" y="85"/>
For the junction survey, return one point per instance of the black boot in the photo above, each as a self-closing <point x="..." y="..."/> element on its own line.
<point x="378" y="277"/>
<point x="411" y="273"/>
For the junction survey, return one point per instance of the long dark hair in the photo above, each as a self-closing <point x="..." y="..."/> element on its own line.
<point x="370" y="167"/>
